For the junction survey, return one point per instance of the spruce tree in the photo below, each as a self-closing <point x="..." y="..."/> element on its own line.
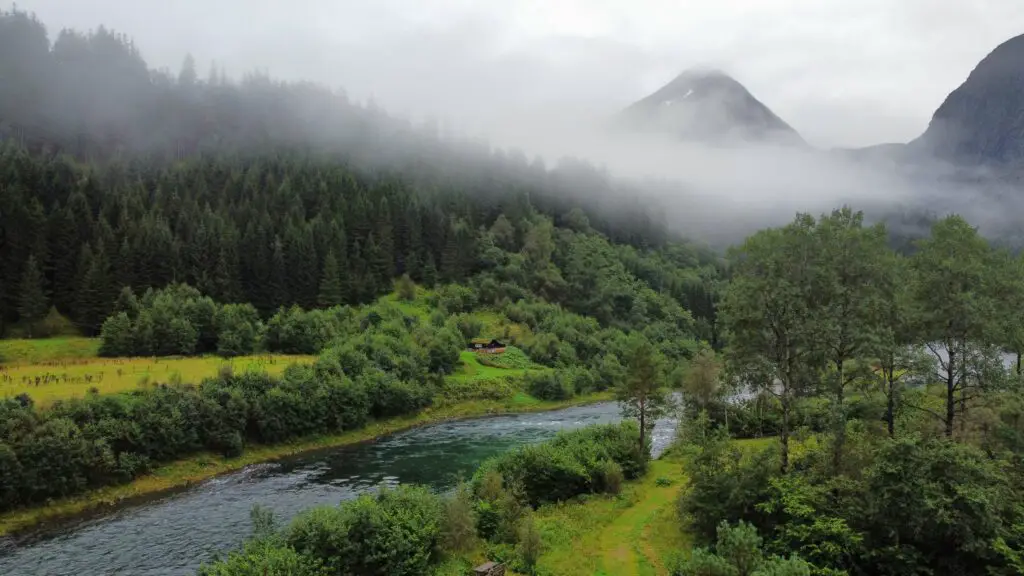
<point x="331" y="292"/>
<point x="430" y="272"/>
<point x="278" y="276"/>
<point x="32" y="304"/>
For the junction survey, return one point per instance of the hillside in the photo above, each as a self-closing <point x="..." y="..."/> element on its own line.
<point x="982" y="121"/>
<point x="259" y="191"/>
<point x="711" y="107"/>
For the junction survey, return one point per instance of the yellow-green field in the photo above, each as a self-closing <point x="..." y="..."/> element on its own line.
<point x="13" y="352"/>
<point x="49" y="380"/>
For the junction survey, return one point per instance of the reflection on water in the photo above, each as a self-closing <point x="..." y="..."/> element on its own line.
<point x="174" y="534"/>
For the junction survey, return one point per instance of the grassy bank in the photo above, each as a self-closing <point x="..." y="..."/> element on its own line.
<point x="205" y="466"/>
<point x="634" y="533"/>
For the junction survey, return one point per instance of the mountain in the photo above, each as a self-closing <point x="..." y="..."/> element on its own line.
<point x="982" y="121"/>
<point x="708" y="106"/>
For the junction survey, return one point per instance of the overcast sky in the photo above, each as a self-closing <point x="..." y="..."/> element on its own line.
<point x="842" y="72"/>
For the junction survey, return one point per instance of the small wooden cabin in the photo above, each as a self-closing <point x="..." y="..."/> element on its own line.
<point x="486" y="345"/>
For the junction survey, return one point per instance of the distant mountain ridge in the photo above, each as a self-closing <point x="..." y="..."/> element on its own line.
<point x="708" y="106"/>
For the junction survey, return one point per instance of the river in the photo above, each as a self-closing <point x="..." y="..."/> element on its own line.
<point x="173" y="534"/>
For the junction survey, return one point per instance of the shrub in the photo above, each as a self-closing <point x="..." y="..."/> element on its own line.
<point x="117" y="337"/>
<point x="611" y="478"/>
<point x="529" y="545"/>
<point x="55" y="324"/>
<point x="737" y="553"/>
<point x="260" y="558"/>
<point x="395" y="532"/>
<point x="406" y="288"/>
<point x="573" y="463"/>
<point x="549" y="386"/>
<point x="458" y="529"/>
<point x="238" y="328"/>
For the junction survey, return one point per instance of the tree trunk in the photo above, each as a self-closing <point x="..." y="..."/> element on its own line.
<point x="1018" y="363"/>
<point x="643" y="423"/>
<point x="890" y="408"/>
<point x="840" y="420"/>
<point x="785" y="429"/>
<point x="950" y="404"/>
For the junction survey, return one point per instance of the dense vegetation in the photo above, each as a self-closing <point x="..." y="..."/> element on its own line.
<point x="179" y="216"/>
<point x="922" y="475"/>
<point x="277" y="194"/>
<point x="408" y="530"/>
<point x="262" y="216"/>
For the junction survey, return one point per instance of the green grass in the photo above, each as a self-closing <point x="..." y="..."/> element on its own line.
<point x="634" y="533"/>
<point x="471" y="369"/>
<point x="38" y="351"/>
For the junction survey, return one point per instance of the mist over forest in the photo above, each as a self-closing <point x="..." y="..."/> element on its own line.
<point x="92" y="95"/>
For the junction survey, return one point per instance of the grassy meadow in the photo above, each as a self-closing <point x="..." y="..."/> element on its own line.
<point x="59" y="368"/>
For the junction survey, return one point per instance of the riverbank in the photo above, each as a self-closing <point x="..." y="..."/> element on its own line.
<point x="195" y="469"/>
<point x="634" y="533"/>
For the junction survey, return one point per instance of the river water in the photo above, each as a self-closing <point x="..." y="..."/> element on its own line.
<point x="173" y="534"/>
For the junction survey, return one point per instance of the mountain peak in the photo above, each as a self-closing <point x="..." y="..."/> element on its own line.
<point x="708" y="105"/>
<point x="982" y="121"/>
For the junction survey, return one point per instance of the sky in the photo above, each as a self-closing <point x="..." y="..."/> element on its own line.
<point x="841" y="72"/>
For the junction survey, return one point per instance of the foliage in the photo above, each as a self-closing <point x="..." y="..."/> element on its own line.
<point x="395" y="532"/>
<point x="738" y="553"/>
<point x="573" y="463"/>
<point x="642" y="395"/>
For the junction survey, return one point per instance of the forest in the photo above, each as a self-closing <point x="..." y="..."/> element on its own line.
<point x="168" y="215"/>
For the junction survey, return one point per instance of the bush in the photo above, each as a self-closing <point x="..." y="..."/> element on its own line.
<point x="117" y="337"/>
<point x="549" y="386"/>
<point x="737" y="553"/>
<point x="395" y="532"/>
<point x="261" y="558"/>
<point x="55" y="324"/>
<point x="238" y="327"/>
<point x="406" y="288"/>
<point x="573" y="463"/>
<point x="458" y="530"/>
<point x="611" y="478"/>
<point x="723" y="484"/>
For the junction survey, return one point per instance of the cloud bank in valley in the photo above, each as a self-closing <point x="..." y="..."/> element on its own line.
<point x="544" y="77"/>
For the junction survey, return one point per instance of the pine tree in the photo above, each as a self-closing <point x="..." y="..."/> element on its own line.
<point x="331" y="291"/>
<point x="430" y="272"/>
<point x="32" y="303"/>
<point x="451" y="265"/>
<point x="95" y="297"/>
<point x="278" y="276"/>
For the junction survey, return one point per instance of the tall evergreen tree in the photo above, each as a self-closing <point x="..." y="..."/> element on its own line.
<point x="430" y="272"/>
<point x="331" y="290"/>
<point x="278" y="275"/>
<point x="32" y="303"/>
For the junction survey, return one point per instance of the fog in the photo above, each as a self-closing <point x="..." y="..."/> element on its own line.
<point x="546" y="77"/>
